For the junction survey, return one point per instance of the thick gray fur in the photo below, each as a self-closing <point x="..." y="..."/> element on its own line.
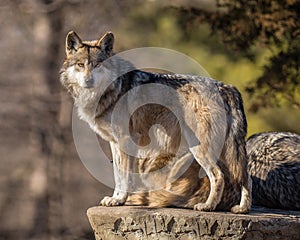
<point x="274" y="165"/>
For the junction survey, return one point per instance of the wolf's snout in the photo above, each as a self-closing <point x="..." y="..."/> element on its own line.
<point x="89" y="82"/>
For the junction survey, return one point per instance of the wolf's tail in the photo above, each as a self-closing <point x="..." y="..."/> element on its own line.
<point x="234" y="150"/>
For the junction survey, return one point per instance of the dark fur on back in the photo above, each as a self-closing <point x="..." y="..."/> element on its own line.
<point x="274" y="165"/>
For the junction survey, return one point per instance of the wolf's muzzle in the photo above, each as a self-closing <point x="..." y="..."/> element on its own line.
<point x="89" y="82"/>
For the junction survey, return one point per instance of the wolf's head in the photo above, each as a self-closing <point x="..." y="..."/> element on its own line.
<point x="82" y="58"/>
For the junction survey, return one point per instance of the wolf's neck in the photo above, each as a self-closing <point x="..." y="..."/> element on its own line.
<point x="110" y="97"/>
<point x="121" y="86"/>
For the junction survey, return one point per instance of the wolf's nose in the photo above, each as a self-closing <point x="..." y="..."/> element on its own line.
<point x="89" y="81"/>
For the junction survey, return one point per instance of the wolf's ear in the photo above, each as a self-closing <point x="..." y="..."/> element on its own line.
<point x="73" y="42"/>
<point x="106" y="42"/>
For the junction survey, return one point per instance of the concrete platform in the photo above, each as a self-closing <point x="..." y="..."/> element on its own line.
<point x="134" y="222"/>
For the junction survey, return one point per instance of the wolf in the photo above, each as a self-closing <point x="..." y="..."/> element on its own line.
<point x="186" y="144"/>
<point x="274" y="166"/>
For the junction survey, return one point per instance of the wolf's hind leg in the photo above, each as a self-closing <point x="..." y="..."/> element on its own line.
<point x="216" y="178"/>
<point x="245" y="204"/>
<point x="244" y="179"/>
<point x="121" y="169"/>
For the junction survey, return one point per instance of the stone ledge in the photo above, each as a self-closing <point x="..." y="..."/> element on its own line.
<point x="134" y="222"/>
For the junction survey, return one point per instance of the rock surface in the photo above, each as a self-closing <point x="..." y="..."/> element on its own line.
<point x="133" y="222"/>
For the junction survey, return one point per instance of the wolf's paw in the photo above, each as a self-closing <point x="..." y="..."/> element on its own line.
<point x="239" y="209"/>
<point x="204" y="207"/>
<point x="111" y="201"/>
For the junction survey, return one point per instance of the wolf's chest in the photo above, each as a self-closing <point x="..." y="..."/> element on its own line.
<point x="101" y="126"/>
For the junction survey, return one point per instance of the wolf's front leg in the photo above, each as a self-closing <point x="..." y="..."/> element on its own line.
<point x="121" y="163"/>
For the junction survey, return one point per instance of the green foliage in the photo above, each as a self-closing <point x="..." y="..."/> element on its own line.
<point x="244" y="22"/>
<point x="274" y="24"/>
<point x="280" y="81"/>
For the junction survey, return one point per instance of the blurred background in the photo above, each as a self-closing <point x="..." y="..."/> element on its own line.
<point x="44" y="188"/>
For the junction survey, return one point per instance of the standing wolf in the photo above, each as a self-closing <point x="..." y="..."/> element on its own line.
<point x="207" y="131"/>
<point x="274" y="165"/>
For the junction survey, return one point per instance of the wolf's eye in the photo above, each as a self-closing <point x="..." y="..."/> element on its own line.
<point x="80" y="65"/>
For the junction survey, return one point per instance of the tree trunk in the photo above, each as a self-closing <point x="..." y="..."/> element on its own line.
<point x="48" y="121"/>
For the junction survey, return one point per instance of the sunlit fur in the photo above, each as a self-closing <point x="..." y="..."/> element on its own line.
<point x="226" y="185"/>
